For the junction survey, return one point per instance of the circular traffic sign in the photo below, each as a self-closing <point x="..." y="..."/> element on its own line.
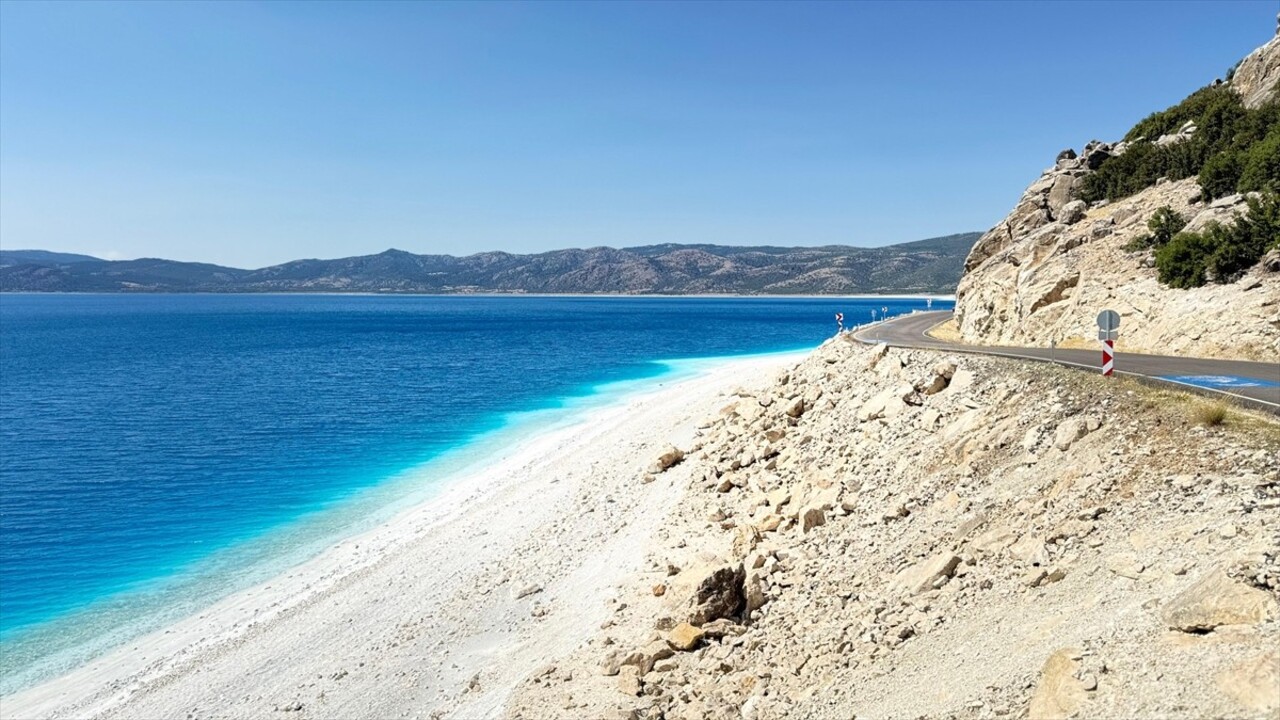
<point x="1109" y="320"/>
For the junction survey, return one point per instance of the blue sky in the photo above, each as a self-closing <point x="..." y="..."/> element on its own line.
<point x="251" y="133"/>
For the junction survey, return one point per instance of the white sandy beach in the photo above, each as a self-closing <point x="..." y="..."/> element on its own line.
<point x="440" y="611"/>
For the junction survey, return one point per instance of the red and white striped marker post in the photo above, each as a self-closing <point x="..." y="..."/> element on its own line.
<point x="1108" y="328"/>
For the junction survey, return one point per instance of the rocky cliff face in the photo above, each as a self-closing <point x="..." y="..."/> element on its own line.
<point x="1045" y="271"/>
<point x="1258" y="73"/>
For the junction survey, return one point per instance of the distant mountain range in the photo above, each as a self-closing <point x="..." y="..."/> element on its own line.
<point x="932" y="265"/>
<point x="42" y="257"/>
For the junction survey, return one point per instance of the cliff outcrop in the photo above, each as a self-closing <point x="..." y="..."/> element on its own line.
<point x="1043" y="273"/>
<point x="1256" y="76"/>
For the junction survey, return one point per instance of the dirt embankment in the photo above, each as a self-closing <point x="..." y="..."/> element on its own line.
<point x="882" y="533"/>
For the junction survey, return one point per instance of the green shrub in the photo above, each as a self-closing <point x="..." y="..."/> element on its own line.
<point x="1233" y="254"/>
<point x="1164" y="224"/>
<point x="1120" y="176"/>
<point x="1257" y="124"/>
<point x="1261" y="165"/>
<point x="1197" y="105"/>
<point x="1221" y="119"/>
<point x="1221" y="252"/>
<point x="1253" y="234"/>
<point x="1263" y="219"/>
<point x="1183" y="261"/>
<point x="1221" y="173"/>
<point x="1140" y="166"/>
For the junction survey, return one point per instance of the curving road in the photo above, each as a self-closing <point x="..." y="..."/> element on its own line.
<point x="1256" y="384"/>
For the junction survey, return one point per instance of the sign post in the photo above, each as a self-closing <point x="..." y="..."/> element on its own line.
<point x="1108" y="331"/>
<point x="1108" y="353"/>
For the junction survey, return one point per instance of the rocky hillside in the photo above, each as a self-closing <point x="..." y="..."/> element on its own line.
<point x="1045" y="271"/>
<point x="882" y="533"/>
<point x="925" y="266"/>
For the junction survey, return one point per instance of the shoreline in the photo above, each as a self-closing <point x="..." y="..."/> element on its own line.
<point x="43" y="652"/>
<point x="169" y="655"/>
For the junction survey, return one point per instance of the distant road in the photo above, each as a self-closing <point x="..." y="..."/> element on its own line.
<point x="1256" y="384"/>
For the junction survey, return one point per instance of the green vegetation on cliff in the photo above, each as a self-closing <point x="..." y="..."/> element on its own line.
<point x="1219" y="252"/>
<point x="1231" y="149"/>
<point x="1164" y="224"/>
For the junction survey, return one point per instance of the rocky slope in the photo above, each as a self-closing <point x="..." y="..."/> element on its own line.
<point x="1258" y="73"/>
<point x="884" y="533"/>
<point x="1045" y="271"/>
<point x="924" y="266"/>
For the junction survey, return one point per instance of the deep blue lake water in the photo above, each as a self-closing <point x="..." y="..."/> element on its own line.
<point x="158" y="452"/>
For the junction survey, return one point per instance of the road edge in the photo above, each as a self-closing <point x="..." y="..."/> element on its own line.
<point x="1149" y="380"/>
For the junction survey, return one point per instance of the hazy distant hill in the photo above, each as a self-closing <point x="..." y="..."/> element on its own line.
<point x="42" y="257"/>
<point x="932" y="265"/>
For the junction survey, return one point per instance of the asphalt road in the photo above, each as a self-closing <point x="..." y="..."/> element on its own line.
<point x="1256" y="384"/>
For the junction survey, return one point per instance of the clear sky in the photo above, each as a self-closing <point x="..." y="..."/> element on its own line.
<point x="249" y="133"/>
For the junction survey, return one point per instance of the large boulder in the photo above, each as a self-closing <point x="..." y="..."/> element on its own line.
<point x="812" y="517"/>
<point x="1217" y="600"/>
<point x="667" y="460"/>
<point x="1271" y="261"/>
<point x="1059" y="694"/>
<point x="887" y="403"/>
<point x="795" y="408"/>
<point x="718" y="595"/>
<point x="1060" y="194"/>
<point x="684" y="637"/>
<point x="1071" y="430"/>
<point x="645" y="658"/>
<point x="1096" y="153"/>
<point x="929" y="574"/>
<point x="1073" y="212"/>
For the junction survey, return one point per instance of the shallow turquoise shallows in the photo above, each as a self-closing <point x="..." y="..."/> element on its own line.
<point x="159" y="452"/>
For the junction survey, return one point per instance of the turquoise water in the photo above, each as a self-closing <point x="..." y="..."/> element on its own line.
<point x="161" y="452"/>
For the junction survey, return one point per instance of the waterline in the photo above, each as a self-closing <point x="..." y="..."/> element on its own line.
<point x="46" y="649"/>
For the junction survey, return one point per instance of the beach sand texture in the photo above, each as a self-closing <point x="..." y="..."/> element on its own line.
<point x="446" y="607"/>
